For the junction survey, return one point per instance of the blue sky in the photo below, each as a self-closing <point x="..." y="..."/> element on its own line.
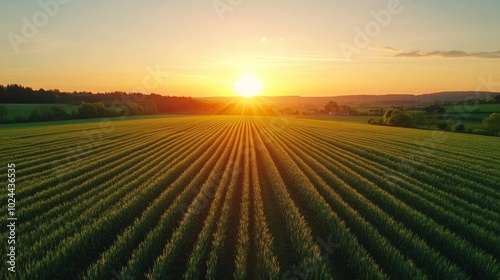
<point x="294" y="47"/>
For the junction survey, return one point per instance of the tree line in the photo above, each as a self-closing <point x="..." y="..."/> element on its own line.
<point x="435" y="116"/>
<point x="94" y="105"/>
<point x="84" y="111"/>
<point x="25" y="95"/>
<point x="17" y="94"/>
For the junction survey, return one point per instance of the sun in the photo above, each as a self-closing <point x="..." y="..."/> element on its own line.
<point x="248" y="85"/>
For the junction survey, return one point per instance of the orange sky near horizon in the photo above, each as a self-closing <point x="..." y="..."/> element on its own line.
<point x="199" y="49"/>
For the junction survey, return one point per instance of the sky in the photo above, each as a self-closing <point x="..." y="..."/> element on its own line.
<point x="201" y="47"/>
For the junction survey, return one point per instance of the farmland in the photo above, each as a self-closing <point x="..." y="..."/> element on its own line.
<point x="223" y="197"/>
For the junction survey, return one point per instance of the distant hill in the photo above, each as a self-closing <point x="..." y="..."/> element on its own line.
<point x="367" y="100"/>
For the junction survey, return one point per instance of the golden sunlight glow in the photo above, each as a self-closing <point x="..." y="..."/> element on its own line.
<point x="248" y="85"/>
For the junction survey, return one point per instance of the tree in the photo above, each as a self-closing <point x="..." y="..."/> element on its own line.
<point x="490" y="99"/>
<point x="35" y="116"/>
<point x="444" y="125"/>
<point x="93" y="110"/>
<point x="497" y="98"/>
<point x="3" y="114"/>
<point x="460" y="128"/>
<point x="331" y="106"/>
<point x="59" y="114"/>
<point x="399" y="118"/>
<point x="418" y="118"/>
<point x="435" y="109"/>
<point x="20" y="119"/>
<point x="491" y="124"/>
<point x="430" y="120"/>
<point x="388" y="115"/>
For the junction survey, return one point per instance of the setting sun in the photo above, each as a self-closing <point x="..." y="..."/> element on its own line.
<point x="248" y="85"/>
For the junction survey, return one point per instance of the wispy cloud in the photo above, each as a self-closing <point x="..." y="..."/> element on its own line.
<point x="389" y="49"/>
<point x="447" y="54"/>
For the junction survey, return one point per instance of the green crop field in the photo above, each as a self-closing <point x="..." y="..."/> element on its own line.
<point x="473" y="108"/>
<point x="471" y="116"/>
<point x="223" y="197"/>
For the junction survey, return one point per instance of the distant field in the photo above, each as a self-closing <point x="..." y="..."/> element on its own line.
<point x="23" y="110"/>
<point x="353" y="119"/>
<point x="481" y="108"/>
<point x="453" y="112"/>
<point x="470" y="123"/>
<point x="471" y="116"/>
<point x="223" y="197"/>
